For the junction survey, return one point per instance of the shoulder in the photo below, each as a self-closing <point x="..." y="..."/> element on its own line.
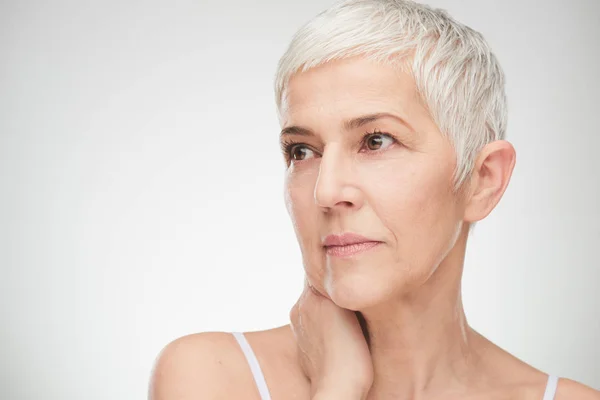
<point x="570" y="389"/>
<point x="196" y="366"/>
<point x="211" y="365"/>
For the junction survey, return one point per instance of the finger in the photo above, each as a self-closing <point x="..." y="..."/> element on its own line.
<point x="308" y="294"/>
<point x="294" y="331"/>
<point x="310" y="287"/>
<point x="294" y="314"/>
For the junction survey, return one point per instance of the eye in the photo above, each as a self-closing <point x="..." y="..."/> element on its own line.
<point x="294" y="151"/>
<point x="377" y="141"/>
<point x="300" y="152"/>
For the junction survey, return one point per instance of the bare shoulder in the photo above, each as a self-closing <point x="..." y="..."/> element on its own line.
<point x="570" y="389"/>
<point x="211" y="365"/>
<point x="201" y="365"/>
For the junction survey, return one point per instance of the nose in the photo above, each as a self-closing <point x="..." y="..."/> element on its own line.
<point x="337" y="185"/>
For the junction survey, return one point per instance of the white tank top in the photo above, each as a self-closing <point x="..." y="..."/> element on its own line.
<point x="259" y="378"/>
<point x="263" y="389"/>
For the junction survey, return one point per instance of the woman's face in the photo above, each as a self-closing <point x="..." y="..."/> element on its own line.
<point x="365" y="157"/>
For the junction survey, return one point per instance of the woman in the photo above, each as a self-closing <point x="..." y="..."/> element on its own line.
<point x="393" y="118"/>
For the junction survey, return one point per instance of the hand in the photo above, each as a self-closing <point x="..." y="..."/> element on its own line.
<point x="333" y="351"/>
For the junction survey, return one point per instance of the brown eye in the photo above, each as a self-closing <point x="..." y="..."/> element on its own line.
<point x="377" y="141"/>
<point x="374" y="142"/>
<point x="299" y="153"/>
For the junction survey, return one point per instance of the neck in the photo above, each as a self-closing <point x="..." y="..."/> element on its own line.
<point x="421" y="344"/>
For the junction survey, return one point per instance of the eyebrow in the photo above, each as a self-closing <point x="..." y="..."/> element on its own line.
<point x="350" y="124"/>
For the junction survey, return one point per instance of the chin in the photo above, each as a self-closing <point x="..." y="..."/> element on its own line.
<point x="357" y="292"/>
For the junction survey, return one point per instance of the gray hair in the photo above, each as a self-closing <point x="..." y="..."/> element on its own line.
<point x="458" y="78"/>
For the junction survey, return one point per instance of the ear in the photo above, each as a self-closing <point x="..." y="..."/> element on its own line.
<point x="489" y="179"/>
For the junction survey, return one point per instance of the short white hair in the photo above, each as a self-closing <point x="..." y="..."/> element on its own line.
<point x="457" y="76"/>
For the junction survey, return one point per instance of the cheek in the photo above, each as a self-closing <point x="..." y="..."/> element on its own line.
<point x="299" y="188"/>
<point x="304" y="214"/>
<point x="414" y="201"/>
<point x="405" y="188"/>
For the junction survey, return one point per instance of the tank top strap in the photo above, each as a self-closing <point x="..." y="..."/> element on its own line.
<point x="551" y="387"/>
<point x="257" y="373"/>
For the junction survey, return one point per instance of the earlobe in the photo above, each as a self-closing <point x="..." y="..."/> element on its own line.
<point x="490" y="177"/>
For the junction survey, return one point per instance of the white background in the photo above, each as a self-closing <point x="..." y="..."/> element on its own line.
<point x="141" y="186"/>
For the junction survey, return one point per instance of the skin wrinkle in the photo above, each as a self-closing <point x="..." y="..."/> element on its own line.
<point x="420" y="197"/>
<point x="333" y="143"/>
<point x="402" y="195"/>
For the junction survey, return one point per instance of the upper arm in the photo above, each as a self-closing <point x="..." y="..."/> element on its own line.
<point x="193" y="367"/>
<point x="569" y="389"/>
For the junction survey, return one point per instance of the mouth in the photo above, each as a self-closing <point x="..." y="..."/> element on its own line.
<point x="348" y="244"/>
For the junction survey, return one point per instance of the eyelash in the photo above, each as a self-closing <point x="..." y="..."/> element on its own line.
<point x="288" y="144"/>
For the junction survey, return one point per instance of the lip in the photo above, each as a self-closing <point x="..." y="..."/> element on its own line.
<point x="348" y="244"/>
<point x="345" y="239"/>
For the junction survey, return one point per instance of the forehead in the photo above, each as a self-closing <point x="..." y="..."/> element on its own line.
<point x="346" y="88"/>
